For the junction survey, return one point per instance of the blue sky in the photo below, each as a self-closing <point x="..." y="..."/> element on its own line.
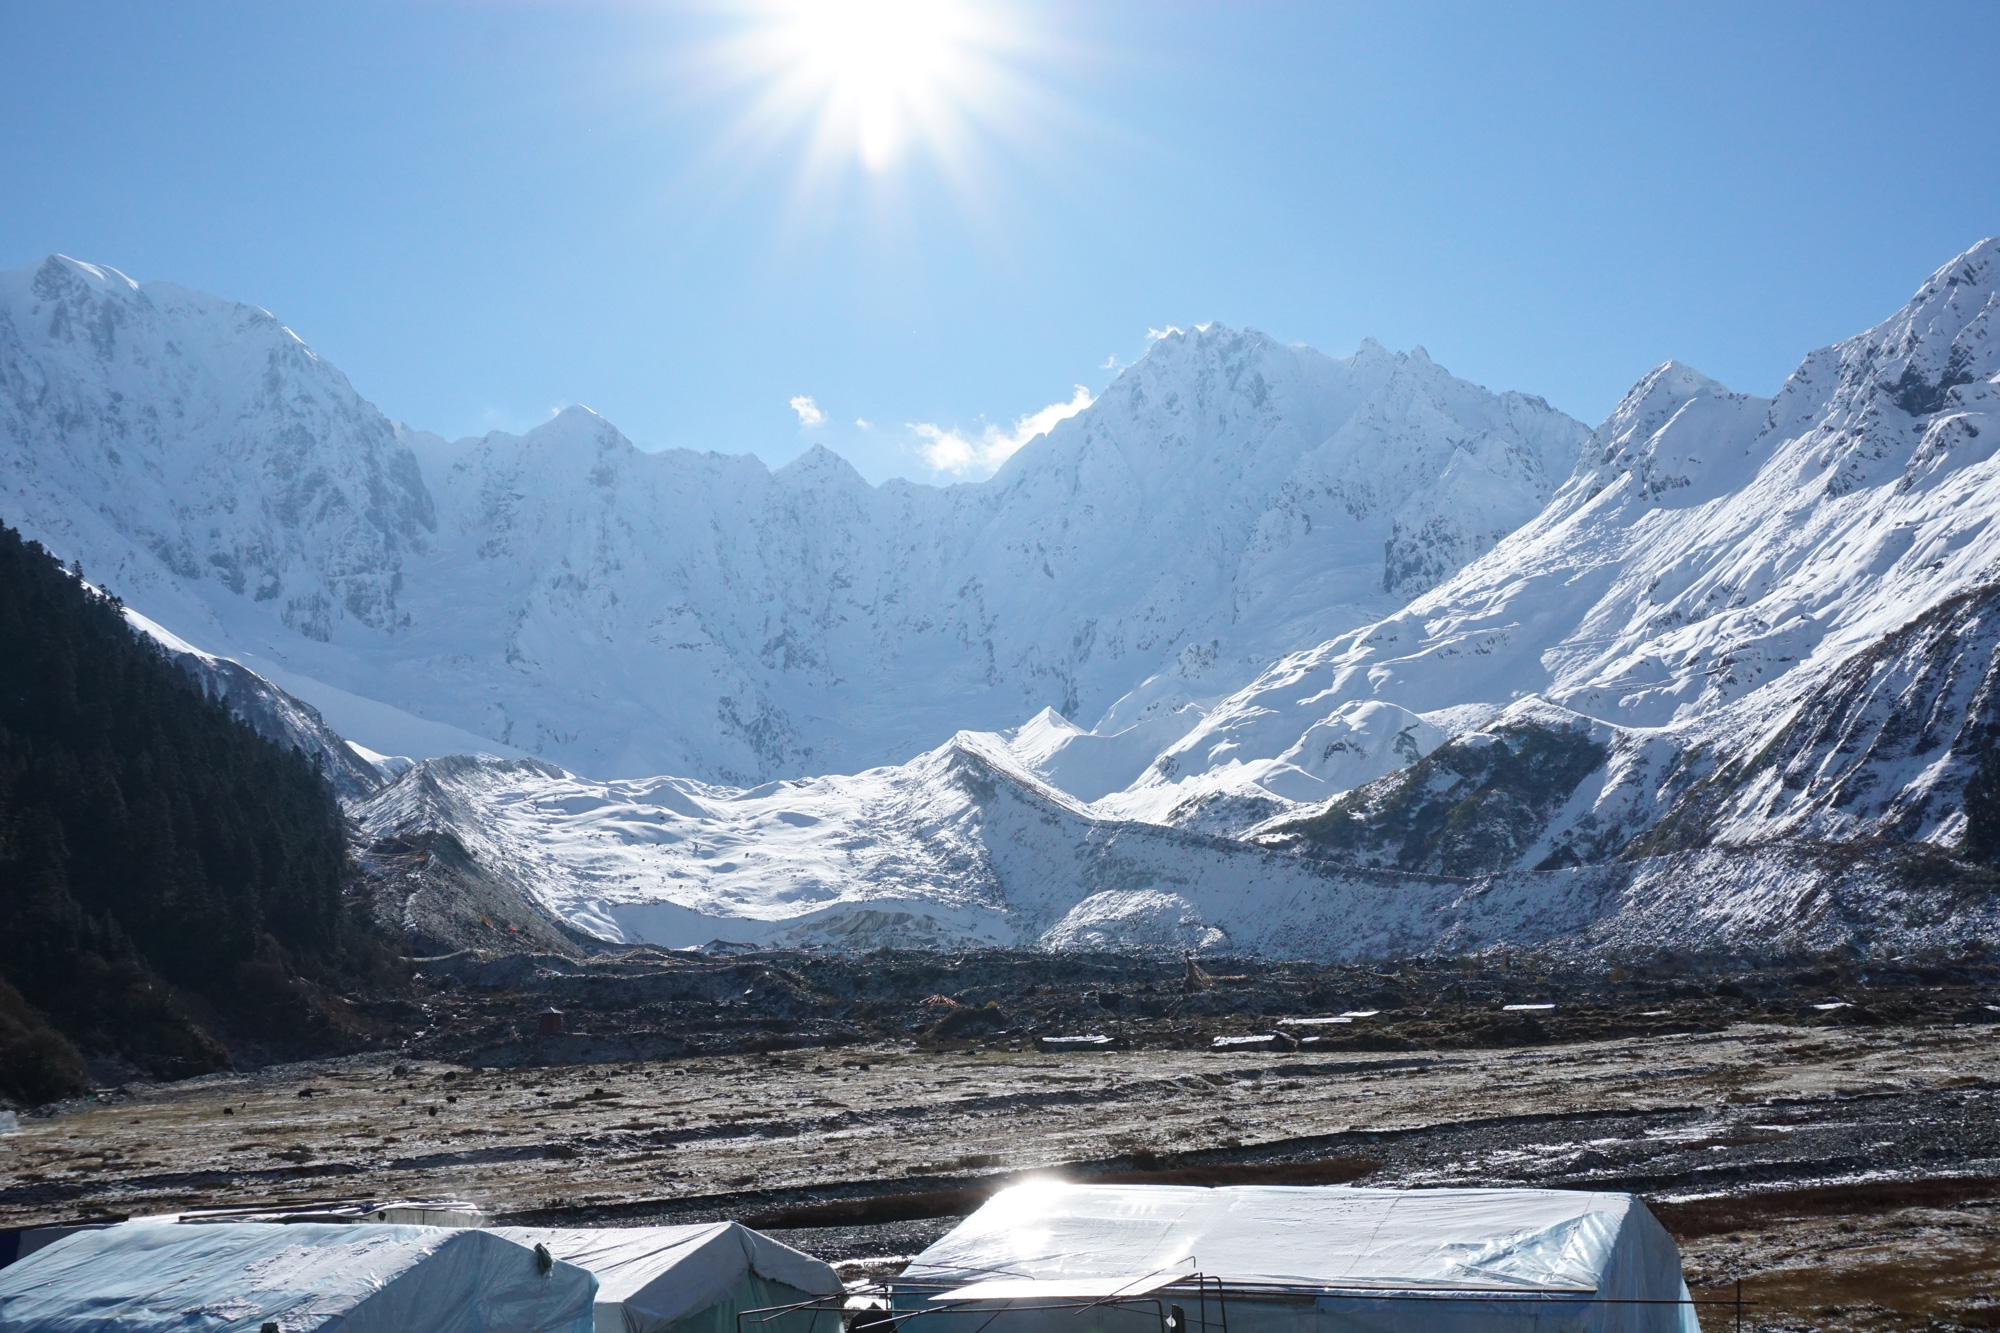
<point x="483" y="211"/>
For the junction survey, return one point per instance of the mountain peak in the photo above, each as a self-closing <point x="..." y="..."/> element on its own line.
<point x="1938" y="341"/>
<point x="578" y="427"/>
<point x="1665" y="385"/>
<point x="59" y="276"/>
<point x="1978" y="267"/>
<point x="223" y="457"/>
<point x="819" y="463"/>
<point x="1651" y="403"/>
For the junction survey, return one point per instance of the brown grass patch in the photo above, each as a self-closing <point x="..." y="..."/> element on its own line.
<point x="1884" y="1293"/>
<point x="1688" y="1219"/>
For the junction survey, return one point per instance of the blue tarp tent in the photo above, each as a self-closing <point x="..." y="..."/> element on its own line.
<point x="238" y="1277"/>
<point x="1060" y="1258"/>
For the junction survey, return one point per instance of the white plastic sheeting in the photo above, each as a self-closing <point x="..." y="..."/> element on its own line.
<point x="1328" y="1259"/>
<point x="651" y="1279"/>
<point x="164" y="1278"/>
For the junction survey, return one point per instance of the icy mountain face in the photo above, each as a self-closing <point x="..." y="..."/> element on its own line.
<point x="1227" y="500"/>
<point x="1881" y="748"/>
<point x="195" y="453"/>
<point x="1227" y="495"/>
<point x="1704" y="592"/>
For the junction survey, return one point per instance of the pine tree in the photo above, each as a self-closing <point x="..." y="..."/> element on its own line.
<point x="145" y="836"/>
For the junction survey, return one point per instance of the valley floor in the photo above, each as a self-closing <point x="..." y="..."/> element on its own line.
<point x="1848" y="1176"/>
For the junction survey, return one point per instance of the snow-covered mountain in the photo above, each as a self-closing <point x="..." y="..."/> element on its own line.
<point x="1726" y="689"/>
<point x="563" y="594"/>
<point x="203" y="461"/>
<point x="1770" y="618"/>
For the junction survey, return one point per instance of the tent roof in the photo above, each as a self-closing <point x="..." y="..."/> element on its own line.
<point x="165" y="1278"/>
<point x="1325" y="1237"/>
<point x="665" y="1273"/>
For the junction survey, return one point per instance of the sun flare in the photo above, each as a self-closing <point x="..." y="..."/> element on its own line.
<point x="878" y="75"/>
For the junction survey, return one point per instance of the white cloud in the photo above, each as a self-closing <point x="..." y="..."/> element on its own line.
<point x="948" y="451"/>
<point x="952" y="451"/>
<point x="810" y="417"/>
<point x="864" y="423"/>
<point x="1154" y="335"/>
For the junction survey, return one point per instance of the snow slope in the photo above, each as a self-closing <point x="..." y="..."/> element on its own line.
<point x="563" y="594"/>
<point x="962" y="846"/>
<point x="204" y="462"/>
<point x="1715" y="562"/>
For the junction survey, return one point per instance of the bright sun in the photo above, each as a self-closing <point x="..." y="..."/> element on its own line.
<point x="878" y="74"/>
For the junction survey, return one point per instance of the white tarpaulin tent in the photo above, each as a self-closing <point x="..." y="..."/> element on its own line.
<point x="231" y="1277"/>
<point x="692" y="1279"/>
<point x="1327" y="1259"/>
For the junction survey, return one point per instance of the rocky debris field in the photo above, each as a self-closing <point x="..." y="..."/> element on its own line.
<point x="643" y="1003"/>
<point x="1827" y="1135"/>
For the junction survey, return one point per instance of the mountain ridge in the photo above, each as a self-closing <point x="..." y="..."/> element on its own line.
<point x="1726" y="688"/>
<point x="569" y="595"/>
<point x="1714" y="556"/>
